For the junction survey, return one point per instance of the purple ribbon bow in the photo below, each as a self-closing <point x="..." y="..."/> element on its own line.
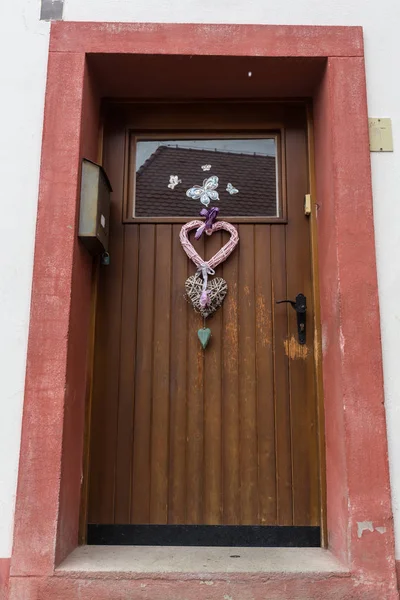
<point x="210" y="215"/>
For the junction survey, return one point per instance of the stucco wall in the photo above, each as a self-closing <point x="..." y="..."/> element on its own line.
<point x="24" y="42"/>
<point x="23" y="60"/>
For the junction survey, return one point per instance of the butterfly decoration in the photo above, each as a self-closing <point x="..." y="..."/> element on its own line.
<point x="173" y="181"/>
<point x="206" y="192"/>
<point x="232" y="190"/>
<point x="206" y="167"/>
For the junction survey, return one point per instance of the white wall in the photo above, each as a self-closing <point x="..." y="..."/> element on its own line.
<point x="23" y="63"/>
<point x="21" y="106"/>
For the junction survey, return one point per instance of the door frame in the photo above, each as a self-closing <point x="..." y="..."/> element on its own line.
<point x="358" y="489"/>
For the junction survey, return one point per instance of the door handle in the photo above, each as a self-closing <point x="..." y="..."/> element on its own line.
<point x="300" y="306"/>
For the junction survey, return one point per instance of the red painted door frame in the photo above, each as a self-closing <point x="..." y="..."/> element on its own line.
<point x="47" y="506"/>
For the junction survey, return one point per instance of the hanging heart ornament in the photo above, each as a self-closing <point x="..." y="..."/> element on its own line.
<point x="198" y="286"/>
<point x="216" y="288"/>
<point x="221" y="255"/>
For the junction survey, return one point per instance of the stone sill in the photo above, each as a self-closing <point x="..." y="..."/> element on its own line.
<point x="206" y="563"/>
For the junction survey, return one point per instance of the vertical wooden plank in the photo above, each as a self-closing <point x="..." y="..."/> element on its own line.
<point x="126" y="402"/>
<point x="161" y="377"/>
<point x="247" y="379"/>
<point x="264" y="369"/>
<point x="178" y="396"/>
<point x="212" y="405"/>
<point x="281" y="378"/>
<point x="230" y="396"/>
<point x="140" y="507"/>
<point x="306" y="508"/>
<point x="195" y="413"/>
<point x="84" y="504"/>
<point x="107" y="354"/>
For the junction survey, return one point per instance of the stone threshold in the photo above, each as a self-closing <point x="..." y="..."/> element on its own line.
<point x="209" y="563"/>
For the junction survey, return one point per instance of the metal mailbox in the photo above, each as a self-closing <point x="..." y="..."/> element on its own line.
<point x="94" y="213"/>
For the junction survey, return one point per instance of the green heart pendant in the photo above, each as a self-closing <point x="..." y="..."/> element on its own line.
<point x="204" y="336"/>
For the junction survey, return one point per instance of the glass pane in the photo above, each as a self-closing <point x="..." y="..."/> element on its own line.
<point x="177" y="178"/>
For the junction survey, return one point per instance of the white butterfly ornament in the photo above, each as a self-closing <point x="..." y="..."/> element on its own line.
<point x="206" y="192"/>
<point x="206" y="167"/>
<point x="232" y="190"/>
<point x="173" y="181"/>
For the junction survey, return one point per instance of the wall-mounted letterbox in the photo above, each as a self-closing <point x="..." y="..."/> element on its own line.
<point x="94" y="208"/>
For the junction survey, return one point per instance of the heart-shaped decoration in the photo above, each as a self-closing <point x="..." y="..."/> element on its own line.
<point x="216" y="289"/>
<point x="221" y="255"/>
<point x="204" y="336"/>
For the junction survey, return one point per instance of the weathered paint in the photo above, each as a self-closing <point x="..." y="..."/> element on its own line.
<point x="295" y="350"/>
<point x="364" y="526"/>
<point x="51" y="10"/>
<point x="357" y="471"/>
<point x="56" y="372"/>
<point x="207" y="40"/>
<point x="368" y="526"/>
<point x="50" y="468"/>
<point x="263" y="321"/>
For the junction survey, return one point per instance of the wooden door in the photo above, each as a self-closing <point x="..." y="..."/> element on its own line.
<point x="226" y="436"/>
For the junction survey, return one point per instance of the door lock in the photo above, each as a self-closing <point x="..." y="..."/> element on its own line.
<point x="300" y="306"/>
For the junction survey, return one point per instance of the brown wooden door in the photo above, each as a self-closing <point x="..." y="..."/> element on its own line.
<point x="225" y="436"/>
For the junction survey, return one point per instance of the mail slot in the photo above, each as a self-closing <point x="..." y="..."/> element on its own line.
<point x="94" y="213"/>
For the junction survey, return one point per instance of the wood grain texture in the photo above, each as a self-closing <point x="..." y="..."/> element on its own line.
<point x="283" y="455"/>
<point x="195" y="413"/>
<point x="265" y="423"/>
<point x="177" y="384"/>
<point x="230" y="396"/>
<point x="301" y="364"/>
<point x="160" y="348"/>
<point x="141" y="490"/>
<point x="212" y="512"/>
<point x="104" y="429"/>
<point x="126" y="404"/>
<point x="247" y="378"/>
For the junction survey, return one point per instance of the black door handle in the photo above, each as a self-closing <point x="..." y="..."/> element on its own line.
<point x="300" y="306"/>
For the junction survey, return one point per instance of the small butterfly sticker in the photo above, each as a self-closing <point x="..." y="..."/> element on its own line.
<point x="173" y="181"/>
<point x="206" y="192"/>
<point x="206" y="167"/>
<point x="232" y="190"/>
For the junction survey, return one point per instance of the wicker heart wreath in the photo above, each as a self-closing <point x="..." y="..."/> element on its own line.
<point x="207" y="296"/>
<point x="216" y="289"/>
